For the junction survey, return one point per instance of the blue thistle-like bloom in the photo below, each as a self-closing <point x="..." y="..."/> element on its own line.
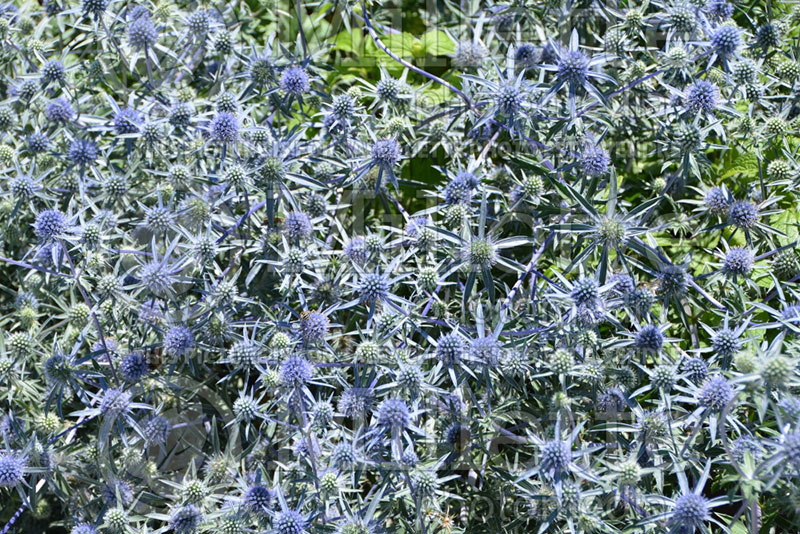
<point x="556" y="457"/>
<point x="199" y="22"/>
<point x="743" y="214"/>
<point x="53" y="71"/>
<point x="394" y="413"/>
<point x="486" y="349"/>
<point x="595" y="161"/>
<point x="611" y="400"/>
<point x="289" y="522"/>
<point x="673" y="280"/>
<point x="385" y="153"/>
<point x="649" y="339"/>
<point x="133" y="367"/>
<point x="725" y="343"/>
<point x="225" y="127"/>
<point x="50" y="224"/>
<point x="449" y="348"/>
<point x="94" y="7"/>
<point x="716" y="201"/>
<point x="296" y="371"/>
<point x="738" y="262"/>
<point x="690" y="511"/>
<point x="573" y="67"/>
<point x="115" y="402"/>
<point x="743" y="445"/>
<point x="83" y="528"/>
<point x="58" y="369"/>
<point x="178" y="341"/>
<point x="59" y="110"/>
<point x="258" y="500"/>
<point x="142" y="34"/>
<point x="117" y="492"/>
<point x="509" y="100"/>
<point x="696" y="369"/>
<point x="314" y="327"/>
<point x="127" y="121"/>
<point x="585" y="292"/>
<point x="526" y="55"/>
<point x="297" y="225"/>
<point x="720" y="9"/>
<point x="38" y="142"/>
<point x="356" y="401"/>
<point x="186" y="519"/>
<point x="157" y="429"/>
<point x="623" y="283"/>
<point x="12" y="469"/>
<point x="715" y="393"/>
<point x="726" y="39"/>
<point x="82" y="152"/>
<point x="138" y="11"/>
<point x="458" y="190"/>
<point x="374" y="287"/>
<point x="702" y="96"/>
<point x="295" y="81"/>
<point x="356" y="250"/>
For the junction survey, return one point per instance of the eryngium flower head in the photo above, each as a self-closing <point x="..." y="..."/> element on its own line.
<point x="225" y="127"/>
<point x="142" y="33"/>
<point x="117" y="492"/>
<point x="83" y="528"/>
<point x="157" y="429"/>
<point x="115" y="402"/>
<point x="716" y="201"/>
<point x="726" y="40"/>
<point x="258" y="499"/>
<point x="314" y="326"/>
<point x="725" y="343"/>
<point x="738" y="262"/>
<point x="385" y="153"/>
<point x="156" y="277"/>
<point x="186" y="519"/>
<point x="82" y="152"/>
<point x="374" y="287"/>
<point x="199" y="22"/>
<point x="127" y="120"/>
<point x="486" y="350"/>
<point x="38" y="142"/>
<point x="469" y="54"/>
<point x="673" y="280"/>
<point x="133" y="367"/>
<point x="480" y="252"/>
<point x="297" y="225"/>
<point x="178" y="341"/>
<point x="53" y="71"/>
<point x="526" y="55"/>
<point x="715" y="393"/>
<point x="595" y="160"/>
<point x="50" y="224"/>
<point x="701" y="96"/>
<point x="649" y="339"/>
<point x="94" y="7"/>
<point x="743" y="214"/>
<point x="573" y="67"/>
<point x="59" y="110"/>
<point x="289" y="522"/>
<point x="449" y="348"/>
<point x="585" y="292"/>
<point x="394" y="413"/>
<point x="509" y="100"/>
<point x="356" y="250"/>
<point x="12" y="469"/>
<point x="295" y="81"/>
<point x="696" y="369"/>
<point x="690" y="512"/>
<point x="556" y="457"/>
<point x="458" y="191"/>
<point x="720" y="10"/>
<point x="296" y="371"/>
<point x="768" y="35"/>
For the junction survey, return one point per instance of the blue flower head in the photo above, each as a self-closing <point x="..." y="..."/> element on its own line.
<point x="142" y="34"/>
<point x="394" y="413"/>
<point x="50" y="224"/>
<point x="82" y="152"/>
<point x="295" y="81"/>
<point x="12" y="469"/>
<point x="134" y="367"/>
<point x="573" y="67"/>
<point x="225" y="127"/>
<point x="178" y="341"/>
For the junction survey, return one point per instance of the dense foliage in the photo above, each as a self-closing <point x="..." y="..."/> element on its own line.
<point x="359" y="268"/>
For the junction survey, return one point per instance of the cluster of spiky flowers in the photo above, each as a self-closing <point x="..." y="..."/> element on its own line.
<point x="254" y="281"/>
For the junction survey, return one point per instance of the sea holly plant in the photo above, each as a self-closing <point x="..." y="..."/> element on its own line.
<point x="363" y="267"/>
